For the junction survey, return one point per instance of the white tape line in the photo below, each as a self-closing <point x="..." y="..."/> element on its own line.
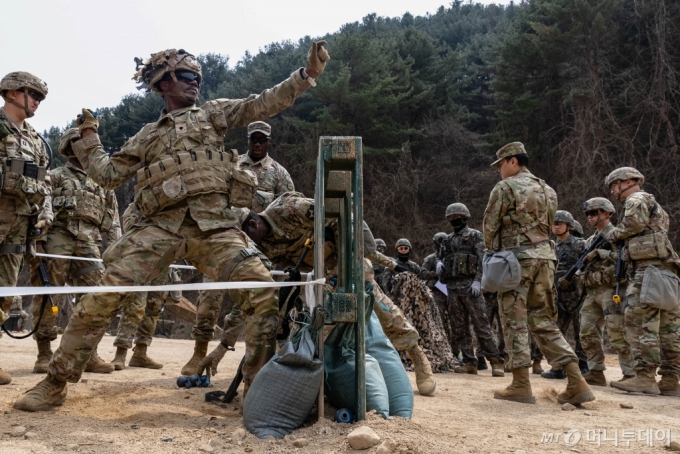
<point x="22" y="291"/>
<point x="180" y="267"/>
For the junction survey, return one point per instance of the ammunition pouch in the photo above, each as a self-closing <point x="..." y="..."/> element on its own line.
<point x="80" y="204"/>
<point x="173" y="179"/>
<point x="650" y="246"/>
<point x="20" y="178"/>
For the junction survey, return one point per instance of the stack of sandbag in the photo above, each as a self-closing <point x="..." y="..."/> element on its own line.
<point x="388" y="389"/>
<point x="284" y="392"/>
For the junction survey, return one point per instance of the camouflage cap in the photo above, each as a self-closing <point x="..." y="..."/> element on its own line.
<point x="259" y="126"/>
<point x="380" y="243"/>
<point x="564" y="216"/>
<point x="622" y="174"/>
<point x="439" y="237"/>
<point x="150" y="72"/>
<point x="598" y="203"/>
<point x="65" y="142"/>
<point x="577" y="230"/>
<point x="403" y="242"/>
<point x="20" y="80"/>
<point x="508" y="150"/>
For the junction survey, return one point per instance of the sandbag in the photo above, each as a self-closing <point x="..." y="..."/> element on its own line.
<point x="501" y="272"/>
<point x="398" y="385"/>
<point x="660" y="288"/>
<point x="284" y="392"/>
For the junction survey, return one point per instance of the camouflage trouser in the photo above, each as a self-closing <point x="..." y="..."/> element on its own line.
<point x="63" y="271"/>
<point x="207" y="310"/>
<point x="13" y="232"/>
<point x="653" y="334"/>
<point x="532" y="308"/>
<point x="145" y="252"/>
<point x="568" y="316"/>
<point x="491" y="301"/>
<point x="397" y="329"/>
<point x="599" y="310"/>
<point x="138" y="320"/>
<point x="465" y="309"/>
<point x="443" y="307"/>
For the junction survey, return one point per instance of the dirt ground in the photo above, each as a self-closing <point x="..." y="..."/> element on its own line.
<point x="142" y="411"/>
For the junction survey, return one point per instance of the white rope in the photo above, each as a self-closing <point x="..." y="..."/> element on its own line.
<point x="22" y="291"/>
<point x="180" y="267"/>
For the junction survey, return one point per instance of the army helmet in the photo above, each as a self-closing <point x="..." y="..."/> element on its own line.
<point x="403" y="242"/>
<point x="439" y="237"/>
<point x="598" y="203"/>
<point x="622" y="174"/>
<point x="150" y="72"/>
<point x="65" y="142"/>
<point x="578" y="229"/>
<point x="21" y="80"/>
<point x="457" y="208"/>
<point x="564" y="216"/>
<point x="380" y="243"/>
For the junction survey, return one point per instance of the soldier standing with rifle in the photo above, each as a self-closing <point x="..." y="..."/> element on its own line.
<point x="653" y="331"/>
<point x="25" y="201"/>
<point x="186" y="186"/>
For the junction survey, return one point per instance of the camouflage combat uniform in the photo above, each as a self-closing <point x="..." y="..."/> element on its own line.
<point x="520" y="212"/>
<point x="653" y="334"/>
<point x="569" y="300"/>
<point x="83" y="210"/>
<point x="428" y="273"/>
<point x="22" y="195"/>
<point x="599" y="310"/>
<point x="462" y="254"/>
<point x="272" y="180"/>
<point x="185" y="190"/>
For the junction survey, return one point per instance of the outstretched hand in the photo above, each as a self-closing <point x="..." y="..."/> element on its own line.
<point x="317" y="58"/>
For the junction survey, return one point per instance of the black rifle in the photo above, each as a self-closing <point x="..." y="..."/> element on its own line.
<point x="620" y="272"/>
<point x="287" y="297"/>
<point x="600" y="242"/>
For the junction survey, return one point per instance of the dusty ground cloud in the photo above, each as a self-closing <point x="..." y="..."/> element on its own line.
<point x="462" y="417"/>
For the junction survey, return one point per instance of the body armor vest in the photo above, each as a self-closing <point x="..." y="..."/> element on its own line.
<point x="459" y="257"/>
<point x="84" y="201"/>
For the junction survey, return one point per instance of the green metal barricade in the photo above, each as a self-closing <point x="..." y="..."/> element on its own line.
<point x="339" y="194"/>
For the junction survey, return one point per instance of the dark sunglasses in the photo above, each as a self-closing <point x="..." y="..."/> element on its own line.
<point x="592" y="212"/>
<point x="188" y="77"/>
<point x="35" y="95"/>
<point x="259" y="139"/>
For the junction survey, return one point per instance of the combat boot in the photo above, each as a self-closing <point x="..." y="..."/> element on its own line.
<point x="497" y="368"/>
<point x="643" y="382"/>
<point x="140" y="359"/>
<point x="5" y="378"/>
<point x="44" y="356"/>
<point x="424" y="376"/>
<point x="481" y="363"/>
<point x="519" y="390"/>
<point x="595" y="378"/>
<point x="43" y="396"/>
<point x="669" y="386"/>
<point x="577" y="391"/>
<point x="536" y="368"/>
<point x="554" y="374"/>
<point x="98" y="365"/>
<point x="466" y="369"/>
<point x="119" y="360"/>
<point x="200" y="352"/>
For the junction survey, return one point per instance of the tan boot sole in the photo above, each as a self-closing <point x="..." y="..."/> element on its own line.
<point x="144" y="365"/>
<point x="100" y="371"/>
<point x="118" y="366"/>
<point x="41" y="369"/>
<point x="581" y="398"/>
<point x="522" y="400"/>
<point x="45" y="407"/>
<point x="623" y="387"/>
<point x="596" y="383"/>
<point x="428" y="393"/>
<point x="670" y="393"/>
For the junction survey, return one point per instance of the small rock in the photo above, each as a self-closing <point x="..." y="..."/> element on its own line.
<point x="363" y="438"/>
<point x="626" y="406"/>
<point x="167" y="439"/>
<point x="30" y="435"/>
<point x="206" y="448"/>
<point x="134" y="426"/>
<point x="238" y="435"/>
<point x="387" y="447"/>
<point x="187" y="397"/>
<point x="83" y="380"/>
<point x="568" y="407"/>
<point x="674" y="446"/>
<point x="300" y="442"/>
<point x="73" y="447"/>
<point x="289" y="438"/>
<point x="509" y="436"/>
<point x="587" y="413"/>
<point x="163" y="373"/>
<point x="65" y="411"/>
<point x="249" y="449"/>
<point x="18" y="431"/>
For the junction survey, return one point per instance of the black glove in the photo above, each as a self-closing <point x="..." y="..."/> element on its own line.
<point x="400" y="269"/>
